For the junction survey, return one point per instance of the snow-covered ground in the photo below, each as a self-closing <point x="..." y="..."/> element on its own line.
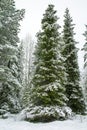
<point x="78" y="123"/>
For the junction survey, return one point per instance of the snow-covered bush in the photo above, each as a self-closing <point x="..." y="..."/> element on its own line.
<point x="45" y="114"/>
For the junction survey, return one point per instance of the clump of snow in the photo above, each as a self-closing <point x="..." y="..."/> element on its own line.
<point x="22" y="115"/>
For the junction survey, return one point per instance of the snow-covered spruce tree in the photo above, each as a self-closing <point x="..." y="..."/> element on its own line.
<point x="73" y="88"/>
<point x="9" y="83"/>
<point x="48" y="90"/>
<point x="85" y="65"/>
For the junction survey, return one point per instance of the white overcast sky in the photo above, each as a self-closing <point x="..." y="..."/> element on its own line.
<point x="34" y="13"/>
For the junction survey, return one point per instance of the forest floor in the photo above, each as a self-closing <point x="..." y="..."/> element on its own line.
<point x="12" y="123"/>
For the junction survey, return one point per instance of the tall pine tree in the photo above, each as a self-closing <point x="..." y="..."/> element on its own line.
<point x="85" y="65"/>
<point x="48" y="90"/>
<point x="73" y="88"/>
<point x="9" y="83"/>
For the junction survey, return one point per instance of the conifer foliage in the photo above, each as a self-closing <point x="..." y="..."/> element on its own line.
<point x="48" y="91"/>
<point x="73" y="88"/>
<point x="9" y="83"/>
<point x="85" y="64"/>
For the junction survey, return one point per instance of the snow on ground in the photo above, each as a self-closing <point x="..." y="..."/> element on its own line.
<point x="78" y="123"/>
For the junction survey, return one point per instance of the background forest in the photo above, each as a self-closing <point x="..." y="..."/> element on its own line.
<point x="41" y="79"/>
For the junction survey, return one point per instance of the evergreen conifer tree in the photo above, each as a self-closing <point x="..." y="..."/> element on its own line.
<point x="73" y="88"/>
<point x="85" y="65"/>
<point x="48" y="91"/>
<point x="9" y="83"/>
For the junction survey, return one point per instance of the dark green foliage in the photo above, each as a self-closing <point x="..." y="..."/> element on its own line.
<point x="49" y="75"/>
<point x="73" y="88"/>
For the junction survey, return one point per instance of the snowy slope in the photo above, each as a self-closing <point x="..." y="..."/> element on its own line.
<point x="79" y="123"/>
